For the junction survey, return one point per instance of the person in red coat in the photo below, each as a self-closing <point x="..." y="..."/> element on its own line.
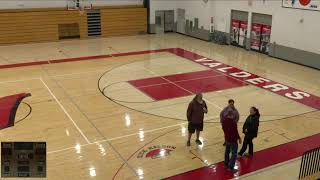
<point x="195" y="115"/>
<point x="231" y="135"/>
<point x="232" y="108"/>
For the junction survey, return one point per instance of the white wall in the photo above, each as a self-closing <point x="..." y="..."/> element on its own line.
<point x="194" y="9"/>
<point x="156" y="5"/>
<point x="287" y="30"/>
<point x="116" y="2"/>
<point x="18" y="4"/>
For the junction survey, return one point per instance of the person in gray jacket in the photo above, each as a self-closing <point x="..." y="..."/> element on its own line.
<point x="231" y="108"/>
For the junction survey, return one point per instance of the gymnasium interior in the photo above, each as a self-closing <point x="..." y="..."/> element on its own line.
<point x="101" y="89"/>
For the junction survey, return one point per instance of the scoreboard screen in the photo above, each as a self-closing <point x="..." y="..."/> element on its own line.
<point x="23" y="159"/>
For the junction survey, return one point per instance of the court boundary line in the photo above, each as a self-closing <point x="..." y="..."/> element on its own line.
<point x="83" y="58"/>
<point x="64" y="110"/>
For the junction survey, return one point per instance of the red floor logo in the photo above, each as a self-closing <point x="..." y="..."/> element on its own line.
<point x="304" y="2"/>
<point x="155" y="152"/>
<point x="8" y="109"/>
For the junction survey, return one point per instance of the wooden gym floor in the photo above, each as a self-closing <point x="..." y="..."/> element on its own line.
<point x="109" y="114"/>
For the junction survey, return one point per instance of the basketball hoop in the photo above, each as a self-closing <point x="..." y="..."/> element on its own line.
<point x="79" y="5"/>
<point x="72" y="5"/>
<point x="85" y="4"/>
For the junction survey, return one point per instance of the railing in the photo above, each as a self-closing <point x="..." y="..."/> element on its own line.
<point x="310" y="163"/>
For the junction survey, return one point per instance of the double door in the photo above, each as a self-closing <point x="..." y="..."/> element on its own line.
<point x="260" y="37"/>
<point x="164" y="21"/>
<point x="260" y="31"/>
<point x="239" y="33"/>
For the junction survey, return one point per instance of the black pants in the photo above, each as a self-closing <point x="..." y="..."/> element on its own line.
<point x="247" y="141"/>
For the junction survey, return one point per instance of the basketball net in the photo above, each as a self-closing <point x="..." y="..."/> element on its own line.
<point x="81" y="11"/>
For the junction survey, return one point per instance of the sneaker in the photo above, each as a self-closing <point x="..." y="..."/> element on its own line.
<point x="233" y="170"/>
<point x="188" y="143"/>
<point x="198" y="142"/>
<point x="248" y="155"/>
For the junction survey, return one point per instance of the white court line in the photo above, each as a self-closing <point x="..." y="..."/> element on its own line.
<point x="70" y="74"/>
<point x="218" y="107"/>
<point x="119" y="137"/>
<point x="64" y="110"/>
<point x="20" y="80"/>
<point x="169" y="82"/>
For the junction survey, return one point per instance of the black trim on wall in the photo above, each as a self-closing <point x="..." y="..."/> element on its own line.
<point x="293" y="55"/>
<point x="146" y="4"/>
<point x="193" y="36"/>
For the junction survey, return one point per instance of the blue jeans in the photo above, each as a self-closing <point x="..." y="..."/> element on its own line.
<point x="233" y="148"/>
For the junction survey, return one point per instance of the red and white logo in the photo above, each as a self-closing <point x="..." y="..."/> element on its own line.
<point x="155" y="152"/>
<point x="304" y="2"/>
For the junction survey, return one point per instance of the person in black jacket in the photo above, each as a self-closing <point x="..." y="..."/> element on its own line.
<point x="250" y="129"/>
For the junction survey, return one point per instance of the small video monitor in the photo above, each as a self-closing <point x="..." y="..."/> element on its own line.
<point x="23" y="159"/>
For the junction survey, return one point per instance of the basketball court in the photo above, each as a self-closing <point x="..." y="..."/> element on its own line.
<point x="115" y="108"/>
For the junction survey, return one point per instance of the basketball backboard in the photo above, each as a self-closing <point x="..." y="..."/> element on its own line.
<point x="79" y="4"/>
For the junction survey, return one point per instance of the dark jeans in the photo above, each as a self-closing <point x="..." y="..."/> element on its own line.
<point x="233" y="149"/>
<point x="247" y="141"/>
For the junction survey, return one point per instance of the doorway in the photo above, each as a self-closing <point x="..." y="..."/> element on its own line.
<point x="159" y="22"/>
<point x="260" y="32"/>
<point x="181" y="21"/>
<point x="164" y="21"/>
<point x="238" y="30"/>
<point x="169" y="21"/>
